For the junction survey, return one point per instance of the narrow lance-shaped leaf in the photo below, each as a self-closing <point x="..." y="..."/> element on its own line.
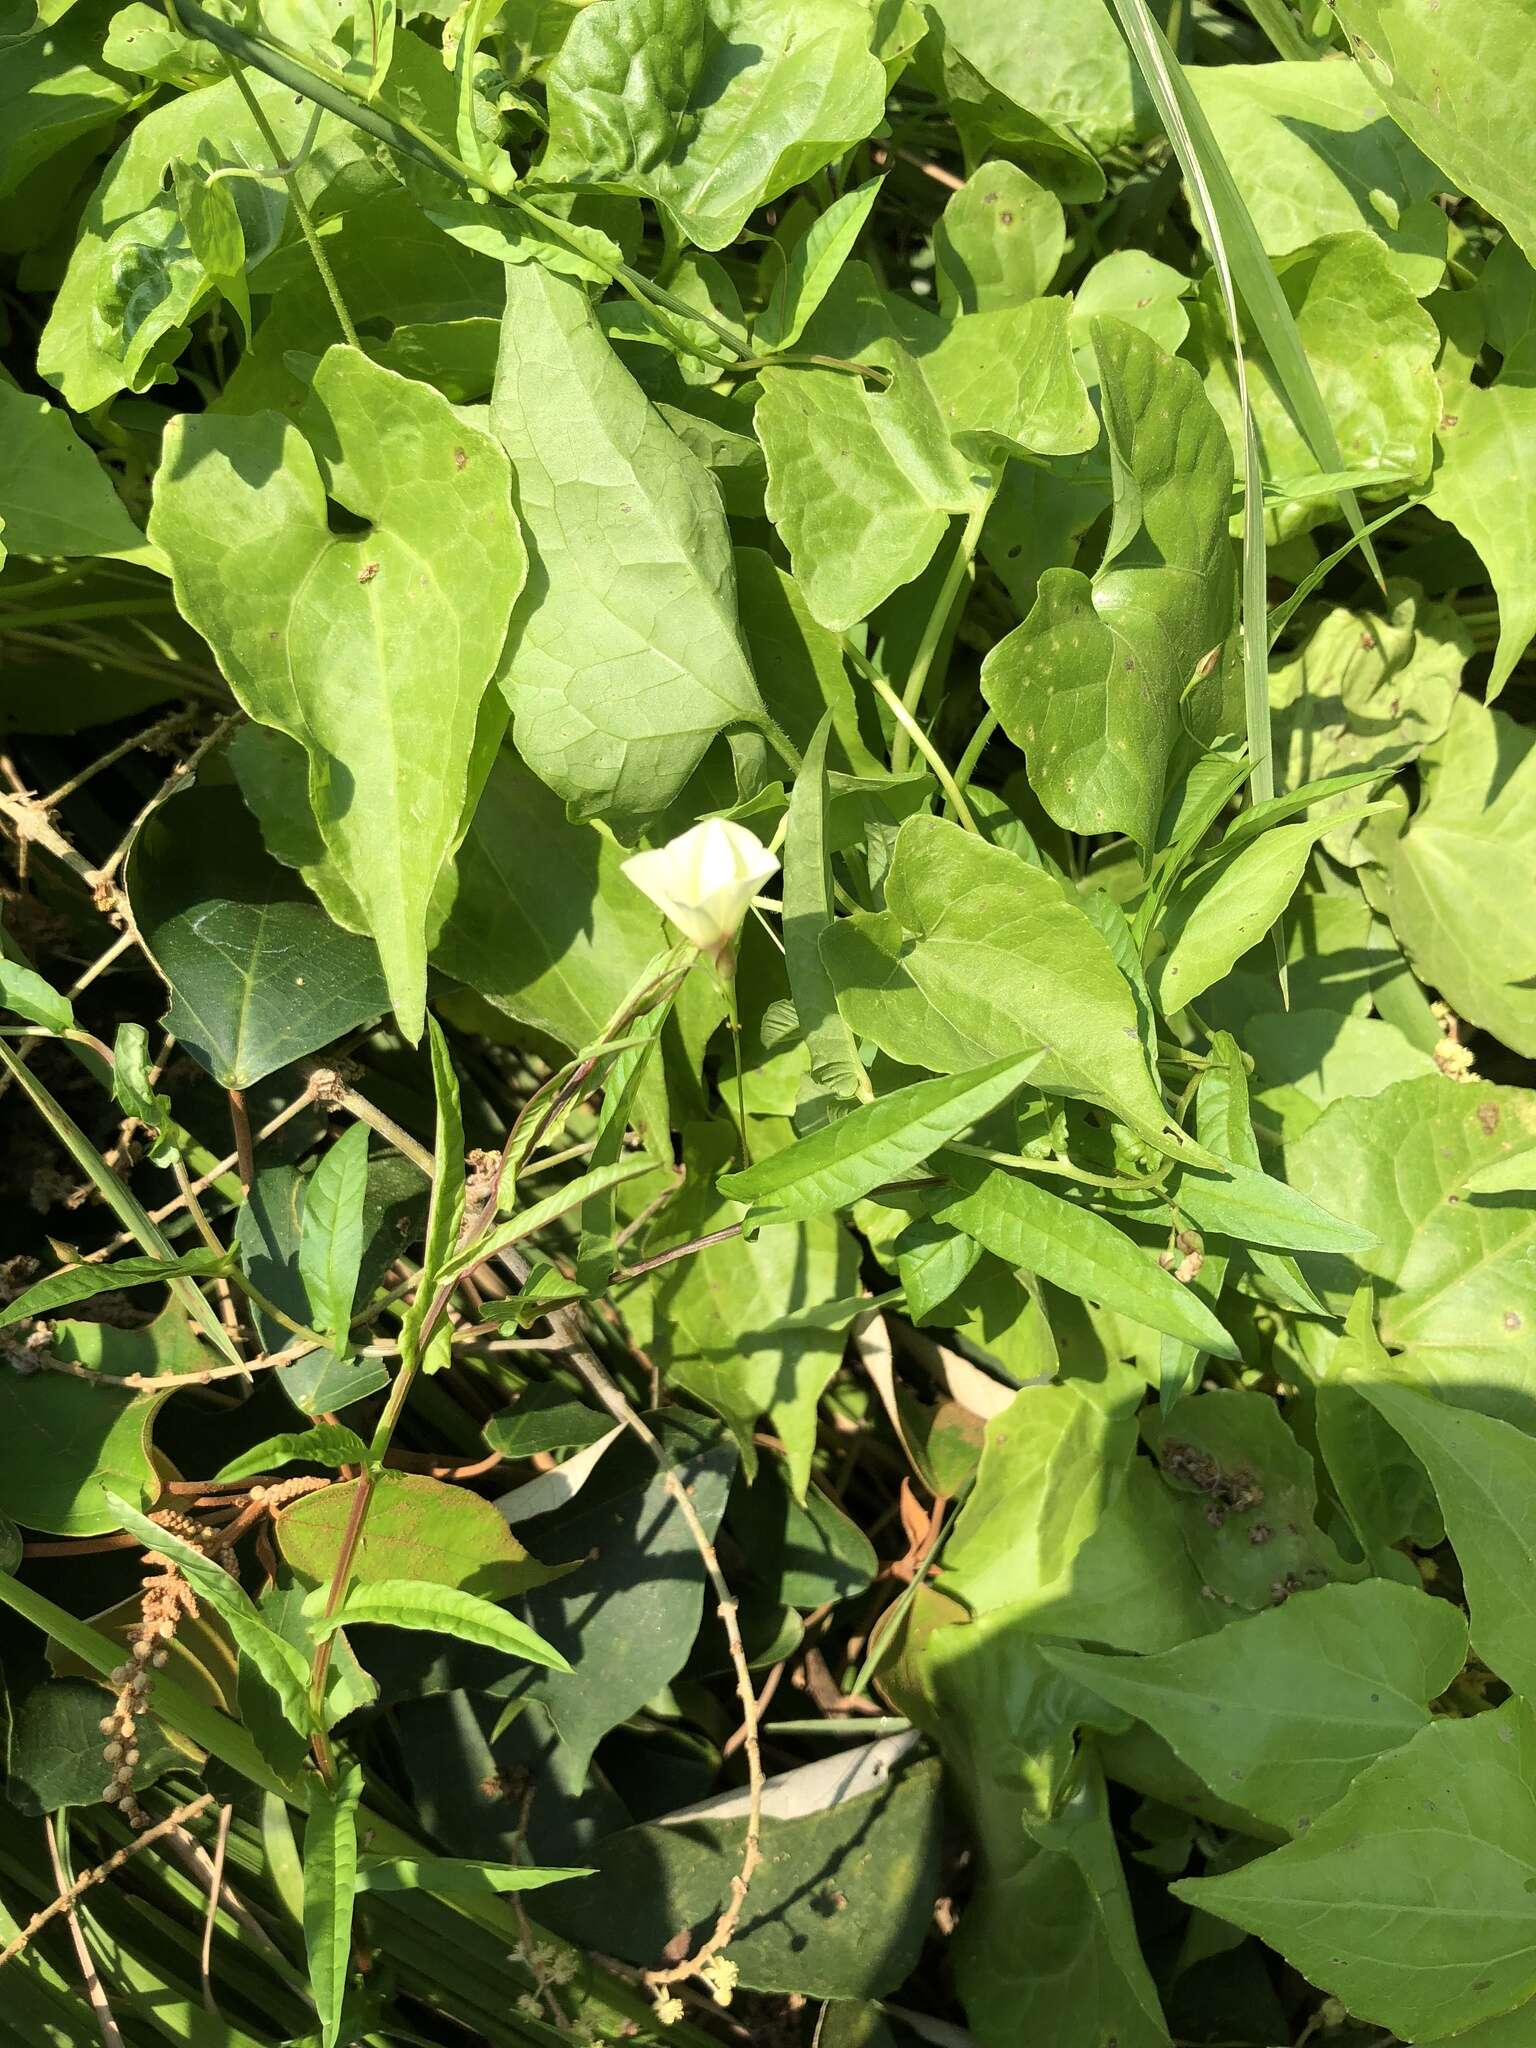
<point x="440" y="1610"/>
<point x="1253" y="1208"/>
<point x="1253" y="275"/>
<point x="331" y="1247"/>
<point x="328" y="1443"/>
<point x="1078" y="1250"/>
<point x="330" y="1887"/>
<point x="878" y="1142"/>
<point x="83" y="1283"/>
<point x="1218" y="914"/>
<point x="806" y="273"/>
<point x="456" y="1874"/>
<point x="29" y="996"/>
<point x="539" y="1215"/>
<point x="328" y="637"/>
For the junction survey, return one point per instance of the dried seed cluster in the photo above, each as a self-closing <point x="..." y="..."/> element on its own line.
<point x="165" y="1599"/>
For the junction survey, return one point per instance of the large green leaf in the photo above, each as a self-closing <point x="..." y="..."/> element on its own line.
<point x="326" y="637"/>
<point x="879" y="1141"/>
<point x="54" y="86"/>
<point x="1486" y="440"/>
<point x="76" y="349"/>
<point x="1413" y="1900"/>
<point x="64" y="1438"/>
<point x="631" y="1607"/>
<point x="55" y="1749"/>
<point x="840" y="1903"/>
<point x="1460" y="878"/>
<point x="544" y="924"/>
<point x="1458" y="1295"/>
<point x="1456" y="78"/>
<point x="1371" y="687"/>
<point x="1050" y="1953"/>
<point x="1482" y="1471"/>
<point x="710" y="107"/>
<point x="1051" y="1464"/>
<point x="258" y="973"/>
<point x="1279" y="1712"/>
<point x="981" y="955"/>
<point x="441" y="299"/>
<point x="624" y="659"/>
<point x="1131" y="1584"/>
<point x="55" y="499"/>
<point x="1246" y="1493"/>
<point x="1091" y="684"/>
<point x="1313" y="156"/>
<point x="417" y="1529"/>
<point x="1071" y="69"/>
<point x="998" y="241"/>
<point x="862" y="480"/>
<point x="1371" y="347"/>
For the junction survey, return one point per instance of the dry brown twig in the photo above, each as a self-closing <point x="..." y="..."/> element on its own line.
<point x="94" y="1991"/>
<point x="103" y="1871"/>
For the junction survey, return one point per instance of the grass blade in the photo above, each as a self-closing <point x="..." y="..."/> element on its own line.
<point x="117" y="1198"/>
<point x="1245" y="275"/>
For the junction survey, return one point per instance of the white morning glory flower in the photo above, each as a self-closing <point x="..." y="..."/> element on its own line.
<point x="704" y="880"/>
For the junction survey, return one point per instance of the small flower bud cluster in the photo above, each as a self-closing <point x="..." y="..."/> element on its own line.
<point x="166" y="1598"/>
<point x="1184" y="1258"/>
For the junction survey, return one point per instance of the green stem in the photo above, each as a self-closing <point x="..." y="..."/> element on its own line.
<point x="939" y="620"/>
<point x="781" y="743"/>
<point x="401" y="133"/>
<point x="976" y="747"/>
<point x="733" y="1017"/>
<point x="1022" y="1162"/>
<point x="908" y="725"/>
<point x="296" y="200"/>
